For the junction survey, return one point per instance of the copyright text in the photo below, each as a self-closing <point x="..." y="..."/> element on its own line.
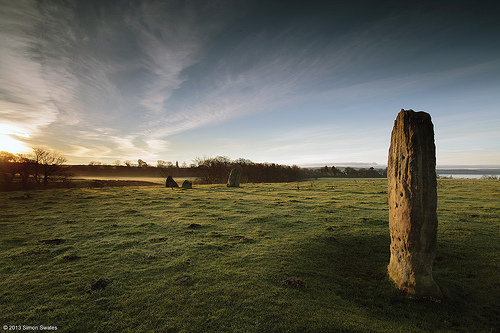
<point x="29" y="328"/>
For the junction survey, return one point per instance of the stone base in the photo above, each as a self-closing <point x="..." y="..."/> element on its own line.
<point x="420" y="285"/>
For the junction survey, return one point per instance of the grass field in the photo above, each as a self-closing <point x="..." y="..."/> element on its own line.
<point x="260" y="258"/>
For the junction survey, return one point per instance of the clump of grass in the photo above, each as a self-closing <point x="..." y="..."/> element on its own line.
<point x="101" y="283"/>
<point x="71" y="257"/>
<point x="264" y="257"/>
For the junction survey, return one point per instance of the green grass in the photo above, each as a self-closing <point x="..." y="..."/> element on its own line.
<point x="214" y="259"/>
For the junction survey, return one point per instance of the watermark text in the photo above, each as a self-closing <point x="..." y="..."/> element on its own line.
<point x="29" y="328"/>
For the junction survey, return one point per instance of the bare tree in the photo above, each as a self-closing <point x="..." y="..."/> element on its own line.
<point x="8" y="169"/>
<point x="46" y="164"/>
<point x="213" y="170"/>
<point x="24" y="168"/>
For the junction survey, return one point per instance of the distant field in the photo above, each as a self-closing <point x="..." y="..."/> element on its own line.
<point x="157" y="180"/>
<point x="293" y="257"/>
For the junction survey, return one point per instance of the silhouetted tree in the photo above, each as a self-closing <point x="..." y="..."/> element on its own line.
<point x="8" y="169"/>
<point x="23" y="168"/>
<point x="213" y="170"/>
<point x="47" y="164"/>
<point x="335" y="171"/>
<point x="36" y="167"/>
<point x="216" y="170"/>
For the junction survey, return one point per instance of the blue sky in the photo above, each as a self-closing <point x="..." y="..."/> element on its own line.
<point x="290" y="82"/>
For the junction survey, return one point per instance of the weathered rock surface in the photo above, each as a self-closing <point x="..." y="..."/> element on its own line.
<point x="187" y="184"/>
<point x="171" y="182"/>
<point x="411" y="175"/>
<point x="234" y="178"/>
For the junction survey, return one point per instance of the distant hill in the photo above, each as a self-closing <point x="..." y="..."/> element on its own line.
<point x="469" y="171"/>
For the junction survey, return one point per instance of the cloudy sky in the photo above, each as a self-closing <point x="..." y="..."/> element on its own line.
<point x="291" y="82"/>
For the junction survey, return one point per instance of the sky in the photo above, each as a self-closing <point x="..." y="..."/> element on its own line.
<point x="288" y="82"/>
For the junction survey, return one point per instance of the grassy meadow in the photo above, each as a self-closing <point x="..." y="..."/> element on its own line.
<point x="294" y="257"/>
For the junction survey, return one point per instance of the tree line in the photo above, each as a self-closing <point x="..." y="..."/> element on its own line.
<point x="26" y="171"/>
<point x="41" y="166"/>
<point x="215" y="170"/>
<point x="347" y="172"/>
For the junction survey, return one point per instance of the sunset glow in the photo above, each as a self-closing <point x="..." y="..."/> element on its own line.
<point x="8" y="143"/>
<point x="288" y="82"/>
<point x="11" y="145"/>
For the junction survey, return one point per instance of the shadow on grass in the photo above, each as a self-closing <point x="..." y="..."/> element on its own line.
<point x="352" y="266"/>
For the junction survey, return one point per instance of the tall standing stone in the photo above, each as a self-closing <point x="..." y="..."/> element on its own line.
<point x="411" y="175"/>
<point x="234" y="178"/>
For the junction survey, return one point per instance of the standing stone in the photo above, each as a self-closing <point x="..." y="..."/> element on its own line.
<point x="187" y="184"/>
<point x="171" y="182"/>
<point x="234" y="178"/>
<point x="411" y="175"/>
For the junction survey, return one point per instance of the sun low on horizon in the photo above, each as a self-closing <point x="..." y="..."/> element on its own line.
<point x="11" y="145"/>
<point x="8" y="143"/>
<point x="285" y="82"/>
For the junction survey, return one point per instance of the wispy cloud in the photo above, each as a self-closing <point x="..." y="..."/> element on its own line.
<point x="25" y="100"/>
<point x="58" y="71"/>
<point x="170" y="41"/>
<point x="264" y="71"/>
<point x="122" y="79"/>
